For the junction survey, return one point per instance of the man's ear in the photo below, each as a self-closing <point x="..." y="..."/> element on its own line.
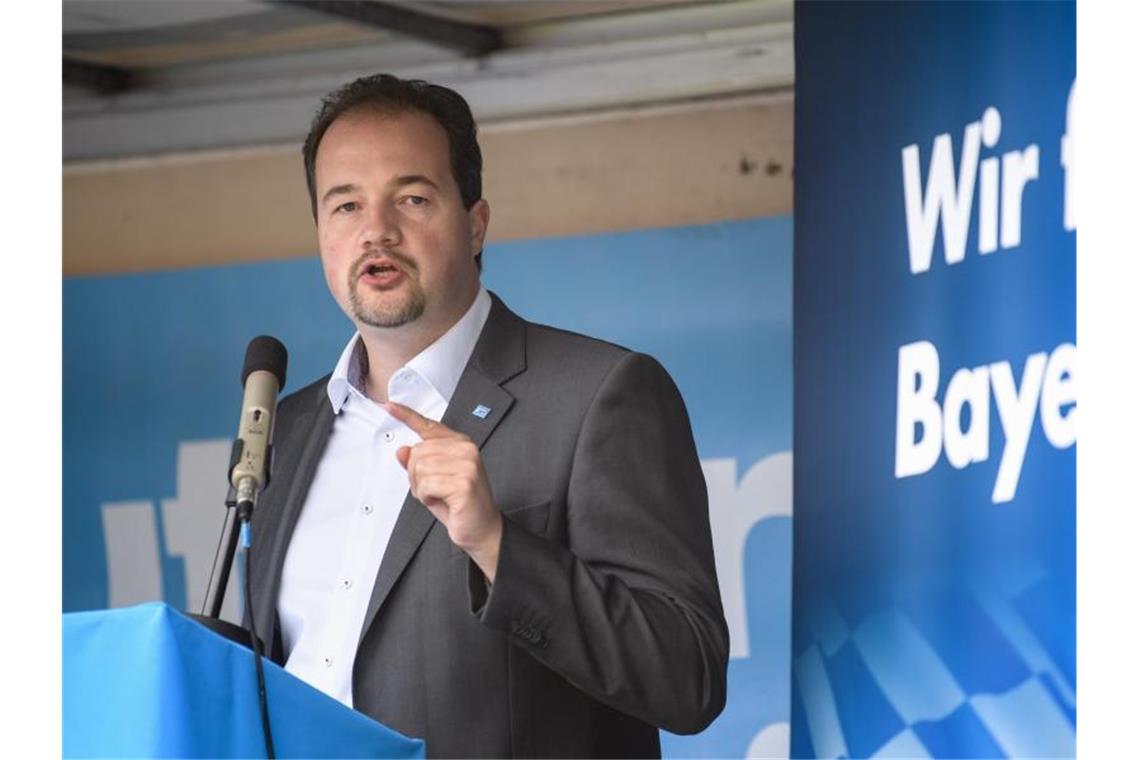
<point x="479" y="216"/>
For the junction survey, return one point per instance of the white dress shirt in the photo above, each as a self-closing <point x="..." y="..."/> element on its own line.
<point x="356" y="494"/>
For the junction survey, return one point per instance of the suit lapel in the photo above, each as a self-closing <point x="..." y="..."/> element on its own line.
<point x="476" y="408"/>
<point x="294" y="475"/>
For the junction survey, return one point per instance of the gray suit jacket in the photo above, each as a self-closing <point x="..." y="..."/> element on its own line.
<point x="604" y="621"/>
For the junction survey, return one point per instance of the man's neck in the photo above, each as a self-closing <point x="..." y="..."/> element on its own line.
<point x="390" y="348"/>
<point x="386" y="354"/>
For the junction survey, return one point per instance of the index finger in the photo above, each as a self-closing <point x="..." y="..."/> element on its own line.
<point x="423" y="426"/>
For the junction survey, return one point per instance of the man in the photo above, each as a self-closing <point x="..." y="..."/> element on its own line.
<point x="483" y="532"/>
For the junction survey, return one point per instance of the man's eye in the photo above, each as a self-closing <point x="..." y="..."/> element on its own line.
<point x="416" y="200"/>
<point x="349" y="206"/>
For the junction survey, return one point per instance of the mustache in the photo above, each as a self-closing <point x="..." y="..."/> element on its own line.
<point x="368" y="257"/>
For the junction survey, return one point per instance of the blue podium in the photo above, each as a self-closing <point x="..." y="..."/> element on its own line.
<point x="149" y="682"/>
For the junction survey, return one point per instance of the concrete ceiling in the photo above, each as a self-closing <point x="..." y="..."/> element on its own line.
<point x="169" y="76"/>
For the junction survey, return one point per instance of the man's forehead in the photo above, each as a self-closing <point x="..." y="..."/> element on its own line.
<point x="381" y="127"/>
<point x="410" y="141"/>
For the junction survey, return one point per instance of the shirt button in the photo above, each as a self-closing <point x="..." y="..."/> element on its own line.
<point x="366" y="509"/>
<point x="346" y="583"/>
<point x="389" y="436"/>
<point x="328" y="662"/>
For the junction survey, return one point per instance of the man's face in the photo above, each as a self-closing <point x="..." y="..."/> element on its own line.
<point x="397" y="246"/>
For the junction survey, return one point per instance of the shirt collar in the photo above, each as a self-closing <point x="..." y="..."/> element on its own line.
<point x="440" y="364"/>
<point x="348" y="376"/>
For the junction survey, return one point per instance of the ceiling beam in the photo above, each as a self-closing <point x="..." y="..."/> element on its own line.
<point x="238" y="103"/>
<point x="469" y="39"/>
<point x="105" y="80"/>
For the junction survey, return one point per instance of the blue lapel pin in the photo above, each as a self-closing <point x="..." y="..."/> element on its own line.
<point x="481" y="411"/>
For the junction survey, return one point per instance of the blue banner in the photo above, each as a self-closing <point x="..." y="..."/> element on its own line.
<point x="151" y="395"/>
<point x="934" y="576"/>
<point x="148" y="682"/>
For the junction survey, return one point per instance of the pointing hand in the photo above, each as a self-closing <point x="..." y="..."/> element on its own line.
<point x="446" y="473"/>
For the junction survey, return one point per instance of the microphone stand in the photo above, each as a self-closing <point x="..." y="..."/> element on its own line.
<point x="211" y="616"/>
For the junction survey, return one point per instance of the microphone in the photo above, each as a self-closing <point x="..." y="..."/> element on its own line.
<point x="263" y="376"/>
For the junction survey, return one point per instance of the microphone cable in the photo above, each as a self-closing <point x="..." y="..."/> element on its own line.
<point x="255" y="641"/>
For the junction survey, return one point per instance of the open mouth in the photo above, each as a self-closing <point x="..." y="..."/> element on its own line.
<point x="380" y="273"/>
<point x="380" y="268"/>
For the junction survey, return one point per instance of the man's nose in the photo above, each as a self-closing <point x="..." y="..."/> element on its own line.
<point x="382" y="228"/>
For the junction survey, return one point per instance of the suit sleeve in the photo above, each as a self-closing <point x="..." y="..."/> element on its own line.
<point x="629" y="612"/>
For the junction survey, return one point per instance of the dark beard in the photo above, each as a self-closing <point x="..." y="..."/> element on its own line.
<point x="411" y="309"/>
<point x="396" y="315"/>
